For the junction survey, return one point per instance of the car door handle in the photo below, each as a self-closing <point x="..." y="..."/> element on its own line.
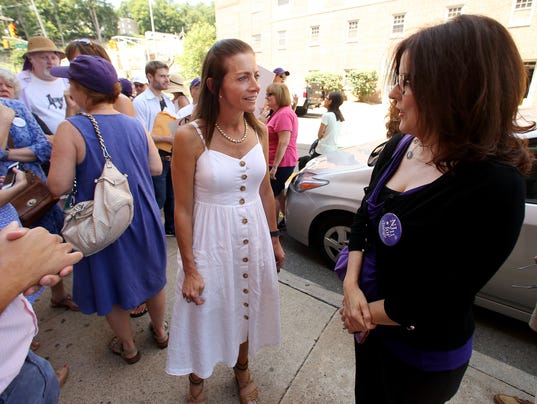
<point x="525" y="286"/>
<point x="527" y="266"/>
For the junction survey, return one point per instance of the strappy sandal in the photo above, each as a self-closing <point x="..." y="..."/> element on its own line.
<point x="200" y="397"/>
<point x="247" y="390"/>
<point x="162" y="342"/>
<point x="66" y="302"/>
<point x="131" y="356"/>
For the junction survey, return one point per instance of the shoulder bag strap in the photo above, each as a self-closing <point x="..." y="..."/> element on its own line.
<point x="99" y="135"/>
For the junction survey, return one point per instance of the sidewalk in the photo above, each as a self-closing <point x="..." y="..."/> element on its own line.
<point x="313" y="364"/>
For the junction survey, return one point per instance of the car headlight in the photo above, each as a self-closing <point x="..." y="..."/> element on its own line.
<point x="306" y="181"/>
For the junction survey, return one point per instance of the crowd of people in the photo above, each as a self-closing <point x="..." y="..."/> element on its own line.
<point x="217" y="168"/>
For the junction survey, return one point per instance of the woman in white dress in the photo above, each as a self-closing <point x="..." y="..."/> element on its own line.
<point x="227" y="297"/>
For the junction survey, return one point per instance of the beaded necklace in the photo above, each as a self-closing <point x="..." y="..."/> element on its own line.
<point x="233" y="140"/>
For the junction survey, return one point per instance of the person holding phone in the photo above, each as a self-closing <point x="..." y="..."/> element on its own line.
<point x="22" y="140"/>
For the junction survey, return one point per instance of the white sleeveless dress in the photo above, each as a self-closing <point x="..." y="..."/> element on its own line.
<point x="233" y="252"/>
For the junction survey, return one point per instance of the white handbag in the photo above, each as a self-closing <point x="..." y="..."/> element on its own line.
<point x="93" y="225"/>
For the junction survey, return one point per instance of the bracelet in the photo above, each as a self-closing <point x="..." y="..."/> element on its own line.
<point x="275" y="233"/>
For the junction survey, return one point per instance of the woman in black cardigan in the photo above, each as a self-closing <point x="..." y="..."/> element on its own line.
<point x="441" y="214"/>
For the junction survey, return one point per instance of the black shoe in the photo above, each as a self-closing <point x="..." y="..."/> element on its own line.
<point x="281" y="225"/>
<point x="170" y="233"/>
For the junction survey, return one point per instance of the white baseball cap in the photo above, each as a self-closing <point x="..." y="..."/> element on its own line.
<point x="140" y="79"/>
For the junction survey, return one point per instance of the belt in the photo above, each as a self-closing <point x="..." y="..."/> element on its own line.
<point x="166" y="158"/>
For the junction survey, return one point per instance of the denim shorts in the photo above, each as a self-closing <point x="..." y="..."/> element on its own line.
<point x="35" y="383"/>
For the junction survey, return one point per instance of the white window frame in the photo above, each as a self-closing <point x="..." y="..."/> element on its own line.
<point x="453" y="11"/>
<point x="352" y="30"/>
<point x="522" y="13"/>
<point x="398" y="24"/>
<point x="256" y="42"/>
<point x="281" y="38"/>
<point x="315" y="32"/>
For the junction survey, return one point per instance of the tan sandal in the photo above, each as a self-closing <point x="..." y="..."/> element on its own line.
<point x="247" y="390"/>
<point x="200" y="397"/>
<point x="162" y="342"/>
<point x="131" y="356"/>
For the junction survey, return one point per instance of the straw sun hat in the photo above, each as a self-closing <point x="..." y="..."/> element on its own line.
<point x="42" y="44"/>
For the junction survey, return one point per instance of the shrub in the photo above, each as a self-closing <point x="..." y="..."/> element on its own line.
<point x="363" y="84"/>
<point x="328" y="81"/>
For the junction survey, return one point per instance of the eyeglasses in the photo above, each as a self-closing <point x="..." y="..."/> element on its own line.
<point x="402" y="80"/>
<point x="139" y="84"/>
<point x="283" y="76"/>
<point x="268" y="95"/>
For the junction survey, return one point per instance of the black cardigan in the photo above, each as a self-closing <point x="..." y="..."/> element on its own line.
<point x="456" y="233"/>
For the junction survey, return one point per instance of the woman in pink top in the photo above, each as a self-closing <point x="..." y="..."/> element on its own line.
<point x="283" y="131"/>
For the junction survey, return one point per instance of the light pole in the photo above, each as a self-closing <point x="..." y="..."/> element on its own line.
<point x="39" y="19"/>
<point x="150" y="15"/>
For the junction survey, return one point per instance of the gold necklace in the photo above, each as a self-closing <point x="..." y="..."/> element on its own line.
<point x="236" y="141"/>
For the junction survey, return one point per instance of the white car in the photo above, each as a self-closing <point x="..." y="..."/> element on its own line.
<point x="324" y="196"/>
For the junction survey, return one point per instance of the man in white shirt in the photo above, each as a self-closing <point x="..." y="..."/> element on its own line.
<point x="147" y="106"/>
<point x="44" y="94"/>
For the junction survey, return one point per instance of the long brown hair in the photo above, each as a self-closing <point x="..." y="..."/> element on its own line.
<point x="214" y="67"/>
<point x="85" y="47"/>
<point x="468" y="80"/>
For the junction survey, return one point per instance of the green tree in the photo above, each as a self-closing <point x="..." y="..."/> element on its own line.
<point x="167" y="16"/>
<point x="64" y="20"/>
<point x="199" y="39"/>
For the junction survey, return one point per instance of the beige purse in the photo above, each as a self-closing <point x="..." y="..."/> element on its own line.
<point x="93" y="225"/>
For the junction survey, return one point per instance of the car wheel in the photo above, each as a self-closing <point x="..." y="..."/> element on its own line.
<point x="331" y="235"/>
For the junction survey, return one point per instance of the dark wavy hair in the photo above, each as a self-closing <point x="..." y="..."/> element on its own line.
<point x="337" y="99"/>
<point x="214" y="67"/>
<point x="468" y="80"/>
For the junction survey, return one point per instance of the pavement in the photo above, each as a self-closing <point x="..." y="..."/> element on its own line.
<point x="313" y="364"/>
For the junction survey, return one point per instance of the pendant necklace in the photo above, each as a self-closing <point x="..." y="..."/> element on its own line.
<point x="410" y="153"/>
<point x="236" y="141"/>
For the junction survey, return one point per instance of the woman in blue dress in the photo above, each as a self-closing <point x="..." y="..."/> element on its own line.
<point x="132" y="269"/>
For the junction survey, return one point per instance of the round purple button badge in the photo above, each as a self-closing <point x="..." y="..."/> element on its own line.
<point x="390" y="229"/>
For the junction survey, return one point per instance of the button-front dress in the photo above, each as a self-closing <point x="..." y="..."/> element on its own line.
<point x="234" y="255"/>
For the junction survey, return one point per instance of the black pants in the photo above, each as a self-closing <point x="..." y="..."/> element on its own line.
<point x="383" y="378"/>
